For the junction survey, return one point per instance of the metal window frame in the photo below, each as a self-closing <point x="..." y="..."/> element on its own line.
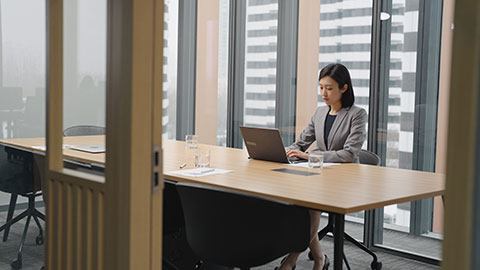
<point x="186" y="77"/>
<point x="426" y="104"/>
<point x="378" y="113"/>
<point x="378" y="108"/>
<point x="236" y="72"/>
<point x="286" y="71"/>
<point x="286" y="75"/>
<point x="476" y="198"/>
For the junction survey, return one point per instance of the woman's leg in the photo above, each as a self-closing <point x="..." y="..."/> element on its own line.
<point x="314" y="241"/>
<point x="314" y="245"/>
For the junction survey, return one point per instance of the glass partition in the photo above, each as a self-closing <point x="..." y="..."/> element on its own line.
<point x="85" y="61"/>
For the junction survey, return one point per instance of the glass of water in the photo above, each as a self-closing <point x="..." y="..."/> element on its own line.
<point x="315" y="160"/>
<point x="202" y="158"/>
<point x="191" y="141"/>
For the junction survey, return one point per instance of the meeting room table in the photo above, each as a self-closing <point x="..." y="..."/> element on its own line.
<point x="338" y="190"/>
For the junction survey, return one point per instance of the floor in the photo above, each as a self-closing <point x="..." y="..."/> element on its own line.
<point x="33" y="254"/>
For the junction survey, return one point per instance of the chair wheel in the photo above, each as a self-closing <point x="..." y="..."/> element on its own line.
<point x="376" y="265"/>
<point x="310" y="256"/>
<point x="17" y="264"/>
<point x="39" y="240"/>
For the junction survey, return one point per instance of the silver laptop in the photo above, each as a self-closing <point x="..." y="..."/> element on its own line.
<point x="266" y="144"/>
<point x="89" y="148"/>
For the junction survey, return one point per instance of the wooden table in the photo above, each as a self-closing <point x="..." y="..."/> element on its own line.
<point x="339" y="190"/>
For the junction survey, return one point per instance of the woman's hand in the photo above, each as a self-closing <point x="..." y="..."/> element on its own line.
<point x="296" y="153"/>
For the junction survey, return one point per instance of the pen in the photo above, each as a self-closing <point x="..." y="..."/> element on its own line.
<point x="183" y="165"/>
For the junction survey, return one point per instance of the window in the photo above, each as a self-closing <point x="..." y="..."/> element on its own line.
<point x="223" y="36"/>
<point x="409" y="107"/>
<point x="22" y="72"/>
<point x="260" y="63"/>
<point x="85" y="62"/>
<point x="345" y="37"/>
<point x="170" y="51"/>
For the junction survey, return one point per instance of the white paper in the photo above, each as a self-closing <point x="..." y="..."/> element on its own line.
<point x="305" y="164"/>
<point x="199" y="172"/>
<point x="43" y="147"/>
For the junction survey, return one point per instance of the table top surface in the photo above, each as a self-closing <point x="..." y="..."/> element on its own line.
<point x="343" y="189"/>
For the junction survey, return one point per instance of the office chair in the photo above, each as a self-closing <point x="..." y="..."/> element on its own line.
<point x="369" y="158"/>
<point x="177" y="254"/>
<point x="83" y="130"/>
<point x="20" y="175"/>
<point x="233" y="229"/>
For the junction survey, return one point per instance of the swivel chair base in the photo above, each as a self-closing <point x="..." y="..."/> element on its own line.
<point x="376" y="265"/>
<point x="29" y="213"/>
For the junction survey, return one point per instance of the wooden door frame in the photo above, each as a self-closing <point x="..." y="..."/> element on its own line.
<point x="123" y="211"/>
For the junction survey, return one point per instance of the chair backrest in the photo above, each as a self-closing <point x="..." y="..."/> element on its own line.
<point x="84" y="130"/>
<point x="239" y="230"/>
<point x="368" y="157"/>
<point x="17" y="171"/>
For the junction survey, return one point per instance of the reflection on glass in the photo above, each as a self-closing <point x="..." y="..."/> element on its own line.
<point x="22" y="69"/>
<point x="85" y="61"/>
<point x="345" y="37"/>
<point x="170" y="51"/>
<point x="260" y="63"/>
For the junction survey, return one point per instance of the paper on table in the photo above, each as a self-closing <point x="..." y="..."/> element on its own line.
<point x="199" y="172"/>
<point x="305" y="164"/>
<point x="43" y="147"/>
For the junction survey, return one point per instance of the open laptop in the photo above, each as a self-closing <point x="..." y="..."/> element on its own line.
<point x="266" y="144"/>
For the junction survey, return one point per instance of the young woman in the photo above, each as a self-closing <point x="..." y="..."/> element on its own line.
<point x="339" y="132"/>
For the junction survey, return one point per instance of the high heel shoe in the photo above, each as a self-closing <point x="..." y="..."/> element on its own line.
<point x="326" y="263"/>
<point x="283" y="260"/>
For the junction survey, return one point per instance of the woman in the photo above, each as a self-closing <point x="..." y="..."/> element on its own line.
<point x="339" y="130"/>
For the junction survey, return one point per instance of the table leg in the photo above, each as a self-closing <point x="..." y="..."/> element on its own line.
<point x="338" y="232"/>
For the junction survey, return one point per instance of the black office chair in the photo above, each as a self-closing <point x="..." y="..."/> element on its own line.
<point x="177" y="254"/>
<point x="84" y="130"/>
<point x="20" y="175"/>
<point x="369" y="158"/>
<point x="238" y="230"/>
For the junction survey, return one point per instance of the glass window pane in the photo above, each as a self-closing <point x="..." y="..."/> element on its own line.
<point x="260" y="63"/>
<point x="22" y="109"/>
<point x="22" y="68"/>
<point x="170" y="51"/>
<point x="85" y="61"/>
<point x="345" y="37"/>
<point x="403" y="109"/>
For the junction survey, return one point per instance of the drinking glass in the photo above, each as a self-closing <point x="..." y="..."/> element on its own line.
<point x="202" y="158"/>
<point x="315" y="160"/>
<point x="191" y="141"/>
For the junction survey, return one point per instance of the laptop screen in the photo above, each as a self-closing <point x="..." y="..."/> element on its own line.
<point x="264" y="144"/>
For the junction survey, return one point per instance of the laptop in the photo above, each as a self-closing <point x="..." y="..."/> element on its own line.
<point x="89" y="148"/>
<point x="266" y="144"/>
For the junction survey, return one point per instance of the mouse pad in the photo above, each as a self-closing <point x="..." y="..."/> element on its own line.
<point x="294" y="171"/>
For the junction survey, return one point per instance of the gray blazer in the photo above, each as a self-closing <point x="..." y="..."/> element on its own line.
<point x="346" y="136"/>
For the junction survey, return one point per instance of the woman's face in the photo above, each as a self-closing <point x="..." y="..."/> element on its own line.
<point x="330" y="91"/>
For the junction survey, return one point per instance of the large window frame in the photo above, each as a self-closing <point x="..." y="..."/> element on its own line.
<point x="426" y="92"/>
<point x="427" y="79"/>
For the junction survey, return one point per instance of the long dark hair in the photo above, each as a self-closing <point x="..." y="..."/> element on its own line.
<point x="340" y="74"/>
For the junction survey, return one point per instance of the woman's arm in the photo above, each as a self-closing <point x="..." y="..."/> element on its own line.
<point x="353" y="143"/>
<point x="307" y="137"/>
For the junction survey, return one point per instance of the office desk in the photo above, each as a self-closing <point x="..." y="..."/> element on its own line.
<point x="339" y="190"/>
